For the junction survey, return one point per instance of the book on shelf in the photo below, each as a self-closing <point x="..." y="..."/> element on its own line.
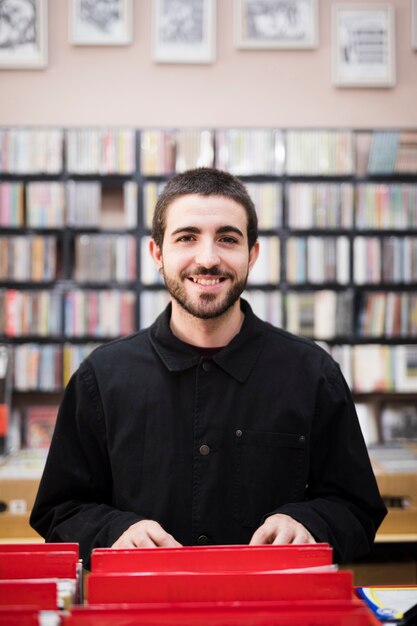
<point x="267" y="267"/>
<point x="157" y="152"/>
<point x="320" y="205"/>
<point x="31" y="313"/>
<point x="152" y="303"/>
<point x="105" y="257"/>
<point x="368" y="423"/>
<point x="99" y="313"/>
<point x="390" y="314"/>
<point x="406" y="368"/>
<point x="393" y="152"/>
<point x="318" y="260"/>
<point x="151" y="192"/>
<point x="73" y="355"/>
<point x="101" y="151"/>
<point x="265" y="304"/>
<point x="386" y="206"/>
<point x="322" y="314"/>
<point x="39" y="424"/>
<point x="11" y="204"/>
<point x="149" y="275"/>
<point x="268" y="201"/>
<point x="31" y="150"/>
<point x="398" y="422"/>
<point x="250" y="151"/>
<point x="319" y="152"/>
<point x="5" y="392"/>
<point x="193" y="148"/>
<point x="28" y="257"/>
<point x="373" y="368"/>
<point x="45" y="204"/>
<point x="95" y="204"/>
<point x="37" y="367"/>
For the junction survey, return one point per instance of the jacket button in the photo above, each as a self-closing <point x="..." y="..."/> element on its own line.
<point x="204" y="450"/>
<point x="202" y="540"/>
<point x="239" y="433"/>
<point x="302" y="439"/>
<point x="206" y="366"/>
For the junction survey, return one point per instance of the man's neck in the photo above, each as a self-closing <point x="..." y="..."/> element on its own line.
<point x="211" y="333"/>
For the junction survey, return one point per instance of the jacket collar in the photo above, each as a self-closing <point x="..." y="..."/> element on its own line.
<point x="237" y="358"/>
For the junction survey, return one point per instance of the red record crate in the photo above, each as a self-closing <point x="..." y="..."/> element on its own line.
<point x="216" y="587"/>
<point x="211" y="558"/>
<point x="297" y="613"/>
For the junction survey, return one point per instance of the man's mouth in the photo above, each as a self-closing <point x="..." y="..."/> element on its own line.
<point x="207" y="281"/>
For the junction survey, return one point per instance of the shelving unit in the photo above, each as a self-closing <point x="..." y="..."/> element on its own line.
<point x="338" y="231"/>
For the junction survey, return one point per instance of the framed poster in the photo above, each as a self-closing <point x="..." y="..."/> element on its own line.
<point x="274" y="24"/>
<point x="414" y="24"/>
<point x="96" y="23"/>
<point x="184" y="31"/>
<point x="363" y="45"/>
<point x="23" y="34"/>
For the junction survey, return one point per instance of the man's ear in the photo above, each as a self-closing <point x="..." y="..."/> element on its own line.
<point x="253" y="254"/>
<point x="156" y="253"/>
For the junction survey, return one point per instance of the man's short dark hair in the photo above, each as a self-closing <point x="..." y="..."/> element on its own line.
<point x="204" y="181"/>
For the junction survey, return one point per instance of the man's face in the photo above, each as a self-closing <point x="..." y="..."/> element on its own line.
<point x="205" y="257"/>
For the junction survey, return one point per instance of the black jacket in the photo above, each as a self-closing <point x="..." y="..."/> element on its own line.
<point x="208" y="447"/>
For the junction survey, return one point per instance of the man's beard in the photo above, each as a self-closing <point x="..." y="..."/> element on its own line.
<point x="209" y="308"/>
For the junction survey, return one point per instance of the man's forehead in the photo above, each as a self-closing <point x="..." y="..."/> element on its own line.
<point x="200" y="206"/>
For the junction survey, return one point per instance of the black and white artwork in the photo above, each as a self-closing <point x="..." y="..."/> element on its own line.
<point x="276" y="23"/>
<point x="101" y="22"/>
<point x="414" y="24"/>
<point x="184" y="31"/>
<point x="363" y="53"/>
<point x="23" y="34"/>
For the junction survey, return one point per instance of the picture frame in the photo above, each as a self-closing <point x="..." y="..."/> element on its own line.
<point x="363" y="45"/>
<point x="24" y="35"/>
<point x="94" y="23"/>
<point x="268" y="24"/>
<point x="414" y="24"/>
<point x="184" y="31"/>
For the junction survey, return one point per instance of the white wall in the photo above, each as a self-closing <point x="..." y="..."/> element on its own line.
<point x="122" y="85"/>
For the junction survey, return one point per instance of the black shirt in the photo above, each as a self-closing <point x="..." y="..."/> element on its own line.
<point x="208" y="446"/>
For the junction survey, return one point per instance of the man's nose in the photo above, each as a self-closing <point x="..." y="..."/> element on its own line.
<point x="207" y="255"/>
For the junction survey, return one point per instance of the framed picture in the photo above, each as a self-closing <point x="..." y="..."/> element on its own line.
<point x="363" y="45"/>
<point x="414" y="24"/>
<point x="184" y="31"/>
<point x="276" y="23"/>
<point x="23" y="34"/>
<point x="97" y="23"/>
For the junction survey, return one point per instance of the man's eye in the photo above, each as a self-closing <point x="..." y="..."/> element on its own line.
<point x="228" y="240"/>
<point x="186" y="238"/>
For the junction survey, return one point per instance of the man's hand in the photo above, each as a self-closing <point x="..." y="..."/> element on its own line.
<point x="146" y="534"/>
<point x="281" y="529"/>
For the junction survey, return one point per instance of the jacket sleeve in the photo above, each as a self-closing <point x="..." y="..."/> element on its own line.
<point x="343" y="505"/>
<point x="73" y="503"/>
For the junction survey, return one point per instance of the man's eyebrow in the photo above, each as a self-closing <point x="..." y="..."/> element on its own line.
<point x="194" y="230"/>
<point x="186" y="229"/>
<point x="229" y="229"/>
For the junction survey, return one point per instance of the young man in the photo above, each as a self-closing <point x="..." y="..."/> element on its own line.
<point x="211" y="426"/>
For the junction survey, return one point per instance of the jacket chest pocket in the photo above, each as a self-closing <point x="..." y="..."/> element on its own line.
<point x="270" y="472"/>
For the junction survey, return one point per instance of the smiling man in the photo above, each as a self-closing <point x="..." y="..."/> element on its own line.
<point x="211" y="426"/>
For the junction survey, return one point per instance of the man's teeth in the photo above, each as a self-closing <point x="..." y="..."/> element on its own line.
<point x="205" y="281"/>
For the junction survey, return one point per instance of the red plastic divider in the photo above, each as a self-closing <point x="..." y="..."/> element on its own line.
<point x="40" y="547"/>
<point x="215" y="587"/>
<point x="41" y="593"/>
<point x="313" y="613"/>
<point x="211" y="559"/>
<point x="38" y="565"/>
<point x="16" y="616"/>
